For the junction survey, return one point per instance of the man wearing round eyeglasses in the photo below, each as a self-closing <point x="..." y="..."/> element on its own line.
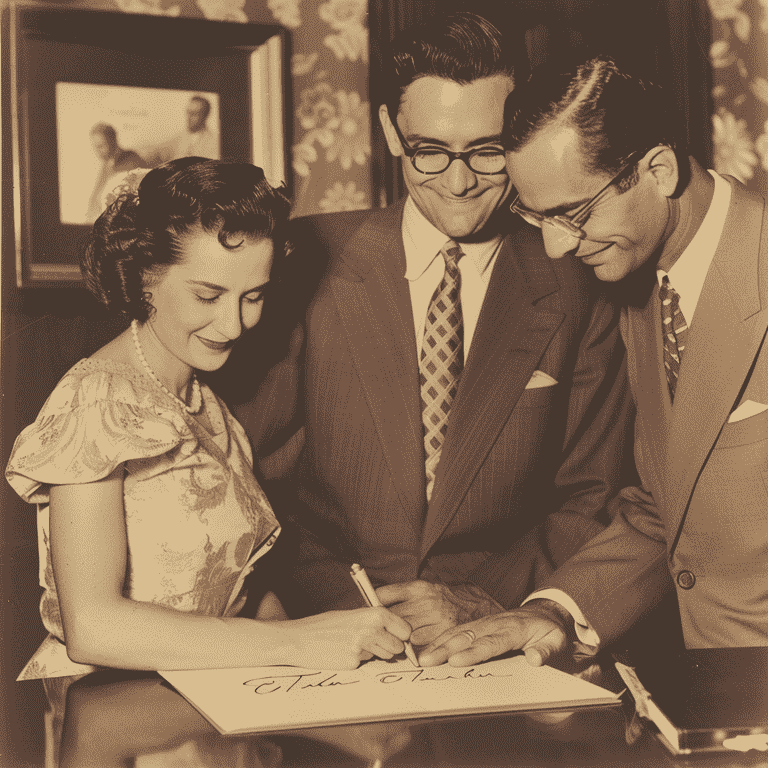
<point x="464" y="399"/>
<point x="565" y="233"/>
<point x="599" y="165"/>
<point x="456" y="191"/>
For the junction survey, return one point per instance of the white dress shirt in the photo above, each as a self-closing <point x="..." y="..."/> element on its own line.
<point x="687" y="277"/>
<point x="688" y="273"/>
<point x="425" y="268"/>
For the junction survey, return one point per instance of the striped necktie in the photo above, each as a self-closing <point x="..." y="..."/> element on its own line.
<point x="442" y="359"/>
<point x="674" y="332"/>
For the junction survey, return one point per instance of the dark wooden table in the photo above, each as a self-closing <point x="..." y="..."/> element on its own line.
<point x="138" y="721"/>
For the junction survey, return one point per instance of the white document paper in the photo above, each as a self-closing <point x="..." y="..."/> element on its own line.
<point x="261" y="699"/>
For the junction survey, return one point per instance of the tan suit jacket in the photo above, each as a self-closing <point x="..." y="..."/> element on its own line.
<point x="699" y="523"/>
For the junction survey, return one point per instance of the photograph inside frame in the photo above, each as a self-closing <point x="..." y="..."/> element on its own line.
<point x="105" y="131"/>
<point x="114" y="93"/>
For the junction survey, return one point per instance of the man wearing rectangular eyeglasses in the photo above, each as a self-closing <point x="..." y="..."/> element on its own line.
<point x="599" y="165"/>
<point x="464" y="399"/>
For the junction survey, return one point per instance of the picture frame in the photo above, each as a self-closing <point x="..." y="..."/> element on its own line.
<point x="95" y="94"/>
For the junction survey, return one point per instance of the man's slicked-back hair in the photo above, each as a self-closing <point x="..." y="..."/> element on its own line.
<point x="614" y="112"/>
<point x="462" y="47"/>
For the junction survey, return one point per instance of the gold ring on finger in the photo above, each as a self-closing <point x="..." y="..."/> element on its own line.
<point x="470" y="634"/>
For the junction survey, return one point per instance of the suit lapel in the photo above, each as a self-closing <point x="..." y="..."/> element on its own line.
<point x="375" y="308"/>
<point x="725" y="335"/>
<point x="510" y="339"/>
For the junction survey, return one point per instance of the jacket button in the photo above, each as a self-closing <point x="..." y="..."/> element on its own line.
<point x="686" y="579"/>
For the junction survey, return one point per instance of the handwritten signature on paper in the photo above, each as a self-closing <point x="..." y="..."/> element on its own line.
<point x="304" y="680"/>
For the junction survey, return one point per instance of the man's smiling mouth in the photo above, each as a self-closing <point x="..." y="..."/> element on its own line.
<point x="585" y="258"/>
<point x="466" y="199"/>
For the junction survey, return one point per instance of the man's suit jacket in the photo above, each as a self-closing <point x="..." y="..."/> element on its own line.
<point x="699" y="523"/>
<point x="524" y="472"/>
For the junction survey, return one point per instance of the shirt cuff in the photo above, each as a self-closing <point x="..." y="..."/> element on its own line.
<point x="584" y="631"/>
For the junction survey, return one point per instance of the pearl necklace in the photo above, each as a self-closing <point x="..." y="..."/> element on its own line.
<point x="197" y="395"/>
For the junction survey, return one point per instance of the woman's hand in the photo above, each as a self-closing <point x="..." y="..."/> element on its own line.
<point x="342" y="639"/>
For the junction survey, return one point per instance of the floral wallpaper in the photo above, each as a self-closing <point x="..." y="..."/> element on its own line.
<point x="329" y="71"/>
<point x="739" y="57"/>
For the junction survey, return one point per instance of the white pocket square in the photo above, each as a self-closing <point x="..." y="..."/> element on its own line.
<point x="541" y="379"/>
<point x="745" y="410"/>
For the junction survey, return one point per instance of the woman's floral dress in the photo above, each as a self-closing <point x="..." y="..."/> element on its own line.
<point x="196" y="518"/>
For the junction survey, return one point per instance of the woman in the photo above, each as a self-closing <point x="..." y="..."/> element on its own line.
<point x="149" y="516"/>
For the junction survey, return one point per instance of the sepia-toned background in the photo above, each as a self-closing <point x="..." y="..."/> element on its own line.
<point x="713" y="54"/>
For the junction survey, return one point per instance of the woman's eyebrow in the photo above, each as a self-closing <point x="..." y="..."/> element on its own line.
<point x="205" y="284"/>
<point x="259" y="287"/>
<point x="222" y="289"/>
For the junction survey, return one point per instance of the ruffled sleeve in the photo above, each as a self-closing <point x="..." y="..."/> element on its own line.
<point x="93" y="421"/>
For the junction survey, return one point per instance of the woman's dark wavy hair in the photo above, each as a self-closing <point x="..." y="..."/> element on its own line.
<point x="139" y="235"/>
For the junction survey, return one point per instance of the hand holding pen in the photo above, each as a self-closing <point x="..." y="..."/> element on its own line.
<point x="360" y="578"/>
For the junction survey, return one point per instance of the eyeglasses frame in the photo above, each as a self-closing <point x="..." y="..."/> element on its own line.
<point x="410" y="152"/>
<point x="569" y="224"/>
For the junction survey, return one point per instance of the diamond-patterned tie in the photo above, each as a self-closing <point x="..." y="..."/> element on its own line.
<point x="674" y="332"/>
<point x="442" y="359"/>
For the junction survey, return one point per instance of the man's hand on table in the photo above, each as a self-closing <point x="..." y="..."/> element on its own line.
<point x="539" y="629"/>
<point x="432" y="609"/>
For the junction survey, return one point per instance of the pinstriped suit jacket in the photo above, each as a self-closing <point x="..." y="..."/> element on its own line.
<point x="524" y="473"/>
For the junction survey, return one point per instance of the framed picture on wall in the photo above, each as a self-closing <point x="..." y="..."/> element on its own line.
<point x="96" y="94"/>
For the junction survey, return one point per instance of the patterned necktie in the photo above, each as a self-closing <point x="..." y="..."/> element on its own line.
<point x="674" y="332"/>
<point x="442" y="359"/>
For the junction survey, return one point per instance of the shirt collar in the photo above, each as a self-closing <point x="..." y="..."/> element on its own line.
<point x="423" y="241"/>
<point x="688" y="273"/>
